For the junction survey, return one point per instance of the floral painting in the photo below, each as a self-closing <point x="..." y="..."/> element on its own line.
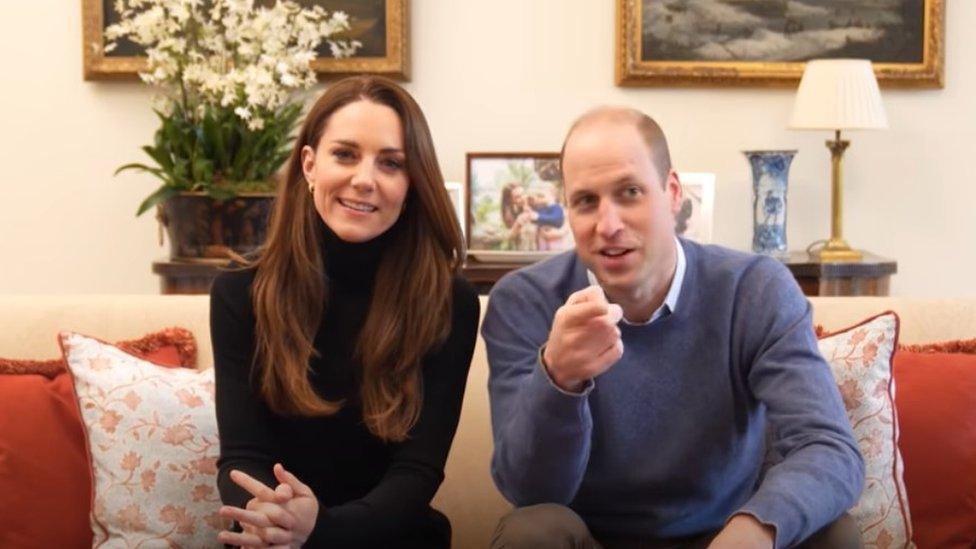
<point x="379" y="26"/>
<point x="367" y="21"/>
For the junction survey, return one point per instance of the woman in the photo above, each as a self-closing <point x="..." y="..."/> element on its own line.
<point x="512" y="202"/>
<point x="516" y="217"/>
<point x="342" y="352"/>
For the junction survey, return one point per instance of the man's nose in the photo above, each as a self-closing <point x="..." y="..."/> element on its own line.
<point x="608" y="221"/>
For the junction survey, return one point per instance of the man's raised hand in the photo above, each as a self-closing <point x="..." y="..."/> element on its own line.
<point x="584" y="341"/>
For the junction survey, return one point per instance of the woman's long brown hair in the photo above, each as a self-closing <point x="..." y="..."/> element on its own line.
<point x="410" y="310"/>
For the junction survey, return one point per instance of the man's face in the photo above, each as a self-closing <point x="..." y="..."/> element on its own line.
<point x="621" y="215"/>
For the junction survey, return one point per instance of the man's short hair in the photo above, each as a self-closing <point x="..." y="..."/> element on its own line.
<point x="652" y="133"/>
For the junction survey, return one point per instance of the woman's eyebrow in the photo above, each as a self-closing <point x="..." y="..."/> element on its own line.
<point x="355" y="145"/>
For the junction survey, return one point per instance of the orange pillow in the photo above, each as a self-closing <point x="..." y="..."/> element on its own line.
<point x="44" y="471"/>
<point x="936" y="401"/>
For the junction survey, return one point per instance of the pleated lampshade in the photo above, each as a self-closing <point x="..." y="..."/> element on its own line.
<point x="838" y="94"/>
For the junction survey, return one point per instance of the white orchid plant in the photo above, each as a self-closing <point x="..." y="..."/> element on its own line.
<point x="229" y="75"/>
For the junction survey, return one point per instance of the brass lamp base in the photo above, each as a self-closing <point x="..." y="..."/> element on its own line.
<point x="837" y="251"/>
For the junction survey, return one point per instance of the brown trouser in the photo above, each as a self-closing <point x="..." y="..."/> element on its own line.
<point x="551" y="526"/>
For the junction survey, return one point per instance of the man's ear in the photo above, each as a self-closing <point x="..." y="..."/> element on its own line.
<point x="672" y="188"/>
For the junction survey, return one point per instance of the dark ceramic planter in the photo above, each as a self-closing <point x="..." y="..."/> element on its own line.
<point x="200" y="228"/>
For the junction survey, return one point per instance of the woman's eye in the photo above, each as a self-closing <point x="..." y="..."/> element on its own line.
<point x="343" y="154"/>
<point x="392" y="164"/>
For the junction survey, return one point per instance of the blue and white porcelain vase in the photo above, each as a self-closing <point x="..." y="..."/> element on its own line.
<point x="770" y="178"/>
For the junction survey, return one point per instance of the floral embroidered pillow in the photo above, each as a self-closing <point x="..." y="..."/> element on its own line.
<point x="152" y="436"/>
<point x="861" y="360"/>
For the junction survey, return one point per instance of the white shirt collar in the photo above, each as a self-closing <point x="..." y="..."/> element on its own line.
<point x="671" y="299"/>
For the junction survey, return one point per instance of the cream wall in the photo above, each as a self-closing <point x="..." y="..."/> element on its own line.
<point x="491" y="76"/>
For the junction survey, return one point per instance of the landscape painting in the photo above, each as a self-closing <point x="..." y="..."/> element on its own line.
<point x="746" y="42"/>
<point x="886" y="31"/>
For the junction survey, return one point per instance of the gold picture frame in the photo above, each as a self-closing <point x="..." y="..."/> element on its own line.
<point x="632" y="68"/>
<point x="393" y="64"/>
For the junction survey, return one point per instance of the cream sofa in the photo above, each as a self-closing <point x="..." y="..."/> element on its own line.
<point x="468" y="495"/>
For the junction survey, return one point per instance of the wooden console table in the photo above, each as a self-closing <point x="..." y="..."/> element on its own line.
<point x="868" y="277"/>
<point x="184" y="277"/>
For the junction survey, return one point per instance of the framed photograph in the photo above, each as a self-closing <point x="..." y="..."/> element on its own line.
<point x="381" y="25"/>
<point x="694" y="220"/>
<point x="455" y="190"/>
<point x="515" y="210"/>
<point x="766" y="42"/>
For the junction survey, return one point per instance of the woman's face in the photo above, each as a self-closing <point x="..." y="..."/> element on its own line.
<point x="358" y="171"/>
<point x="518" y="196"/>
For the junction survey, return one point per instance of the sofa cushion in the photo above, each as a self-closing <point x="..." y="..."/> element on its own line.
<point x="937" y="419"/>
<point x="966" y="346"/>
<point x="48" y="476"/>
<point x="43" y="466"/>
<point x="173" y="346"/>
<point x="861" y="360"/>
<point x="151" y="434"/>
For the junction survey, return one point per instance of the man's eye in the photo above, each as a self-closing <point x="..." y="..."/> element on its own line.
<point x="584" y="201"/>
<point x="632" y="191"/>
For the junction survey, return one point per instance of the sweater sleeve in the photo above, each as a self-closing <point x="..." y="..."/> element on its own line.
<point x="247" y="441"/>
<point x="403" y="495"/>
<point x="822" y="471"/>
<point x="551" y="215"/>
<point x="541" y="433"/>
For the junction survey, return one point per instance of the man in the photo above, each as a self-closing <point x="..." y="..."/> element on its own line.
<point x="634" y="413"/>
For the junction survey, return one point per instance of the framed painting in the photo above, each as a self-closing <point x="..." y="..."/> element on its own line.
<point x="767" y="42"/>
<point x="381" y="26"/>
<point x="515" y="210"/>
<point x="694" y="219"/>
<point x="455" y="190"/>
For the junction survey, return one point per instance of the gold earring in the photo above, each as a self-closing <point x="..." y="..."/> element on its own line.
<point x="311" y="187"/>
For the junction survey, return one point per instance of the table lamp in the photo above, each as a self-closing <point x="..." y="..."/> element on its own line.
<point x="838" y="94"/>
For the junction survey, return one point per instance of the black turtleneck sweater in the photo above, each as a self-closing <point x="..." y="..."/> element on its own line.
<point x="371" y="493"/>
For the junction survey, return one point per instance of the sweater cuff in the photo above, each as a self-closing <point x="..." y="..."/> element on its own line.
<point x="317" y="537"/>
<point x="768" y="510"/>
<point x="588" y="385"/>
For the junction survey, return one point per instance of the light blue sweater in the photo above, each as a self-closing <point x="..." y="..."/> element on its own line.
<point x="671" y="440"/>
